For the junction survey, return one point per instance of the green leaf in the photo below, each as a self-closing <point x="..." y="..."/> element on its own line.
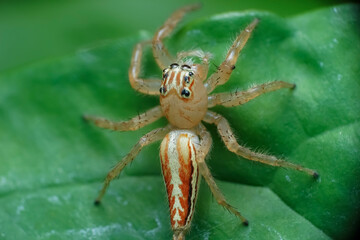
<point x="53" y="164"/>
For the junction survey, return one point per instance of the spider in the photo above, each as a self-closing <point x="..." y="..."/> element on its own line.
<point x="185" y="96"/>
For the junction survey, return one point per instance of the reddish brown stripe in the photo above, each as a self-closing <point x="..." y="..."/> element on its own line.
<point x="191" y="84"/>
<point x="171" y="77"/>
<point x="178" y="80"/>
<point x="189" y="202"/>
<point x="186" y="117"/>
<point x="167" y="172"/>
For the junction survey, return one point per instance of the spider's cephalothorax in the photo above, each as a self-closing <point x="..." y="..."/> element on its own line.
<point x="185" y="96"/>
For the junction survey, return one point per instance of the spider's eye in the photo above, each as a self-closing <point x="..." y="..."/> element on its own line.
<point x="162" y="90"/>
<point x="174" y="65"/>
<point x="185" y="93"/>
<point x="186" y="79"/>
<point x="165" y="76"/>
<point x="191" y="74"/>
<point x="185" y="66"/>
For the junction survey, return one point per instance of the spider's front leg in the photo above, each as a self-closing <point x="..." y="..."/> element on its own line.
<point x="231" y="143"/>
<point x="205" y="144"/>
<point x="161" y="54"/>
<point x="146" y="86"/>
<point x="148" y="138"/>
<point x="231" y="99"/>
<point x="224" y="71"/>
<point x="130" y="125"/>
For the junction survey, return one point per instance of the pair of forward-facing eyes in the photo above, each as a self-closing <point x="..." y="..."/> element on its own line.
<point x="185" y="92"/>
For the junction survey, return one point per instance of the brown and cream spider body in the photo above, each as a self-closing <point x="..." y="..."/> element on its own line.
<point x="185" y="96"/>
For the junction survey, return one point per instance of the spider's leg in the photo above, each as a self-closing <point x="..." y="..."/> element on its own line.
<point x="225" y="69"/>
<point x="161" y="54"/>
<point x="146" y="86"/>
<point x="130" y="125"/>
<point x="231" y="143"/>
<point x="148" y="138"/>
<point x="231" y="99"/>
<point x="205" y="144"/>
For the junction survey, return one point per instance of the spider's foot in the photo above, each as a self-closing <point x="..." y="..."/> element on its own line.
<point x="244" y="221"/>
<point x="315" y="175"/>
<point x="97" y="202"/>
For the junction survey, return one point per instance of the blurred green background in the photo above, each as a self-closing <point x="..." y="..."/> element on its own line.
<point x="39" y="29"/>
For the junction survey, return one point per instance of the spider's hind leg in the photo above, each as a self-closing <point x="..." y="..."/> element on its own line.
<point x="205" y="144"/>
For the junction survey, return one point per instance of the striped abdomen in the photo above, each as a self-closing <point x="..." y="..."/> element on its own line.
<point x="181" y="175"/>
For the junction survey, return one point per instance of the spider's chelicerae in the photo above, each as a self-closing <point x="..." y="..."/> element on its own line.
<point x="185" y="96"/>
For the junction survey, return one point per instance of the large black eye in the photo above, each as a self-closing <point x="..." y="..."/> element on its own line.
<point x="162" y="90"/>
<point x="191" y="73"/>
<point x="185" y="93"/>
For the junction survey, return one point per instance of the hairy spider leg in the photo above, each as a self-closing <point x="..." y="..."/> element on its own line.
<point x="205" y="144"/>
<point x="225" y="69"/>
<point x="231" y="99"/>
<point x="229" y="139"/>
<point x="131" y="125"/>
<point x="161" y="54"/>
<point x="154" y="135"/>
<point x="145" y="86"/>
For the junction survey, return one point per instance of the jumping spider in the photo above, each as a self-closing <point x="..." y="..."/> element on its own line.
<point x="185" y="96"/>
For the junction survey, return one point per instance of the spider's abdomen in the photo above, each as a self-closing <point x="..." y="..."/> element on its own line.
<point x="181" y="175"/>
<point x="183" y="96"/>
